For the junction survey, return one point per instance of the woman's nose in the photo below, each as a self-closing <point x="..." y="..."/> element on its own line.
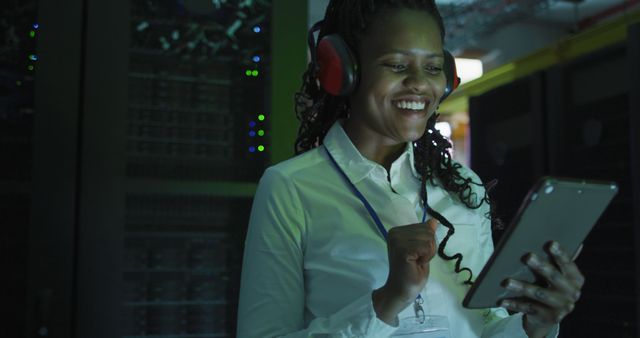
<point x="417" y="81"/>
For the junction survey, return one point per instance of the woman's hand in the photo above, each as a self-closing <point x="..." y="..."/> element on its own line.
<point x="410" y="248"/>
<point x="545" y="307"/>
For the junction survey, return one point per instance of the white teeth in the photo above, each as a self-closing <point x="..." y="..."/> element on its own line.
<point x="410" y="105"/>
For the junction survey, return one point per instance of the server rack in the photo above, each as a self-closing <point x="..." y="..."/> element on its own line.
<point x="634" y="137"/>
<point x="590" y="137"/>
<point x="18" y="60"/>
<point x="507" y="130"/>
<point x="197" y="111"/>
<point x="145" y="161"/>
<point x="583" y="115"/>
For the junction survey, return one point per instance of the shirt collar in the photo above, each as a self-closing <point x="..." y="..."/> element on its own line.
<point x="351" y="161"/>
<point x="412" y="163"/>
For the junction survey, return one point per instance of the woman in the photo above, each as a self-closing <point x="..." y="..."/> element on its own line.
<point x="318" y="259"/>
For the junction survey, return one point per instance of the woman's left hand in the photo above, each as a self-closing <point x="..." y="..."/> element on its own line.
<point x="544" y="307"/>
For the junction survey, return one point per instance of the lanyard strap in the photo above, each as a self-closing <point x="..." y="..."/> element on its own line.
<point x="417" y="306"/>
<point x="366" y="203"/>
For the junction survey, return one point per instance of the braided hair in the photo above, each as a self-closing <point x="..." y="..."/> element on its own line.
<point x="317" y="111"/>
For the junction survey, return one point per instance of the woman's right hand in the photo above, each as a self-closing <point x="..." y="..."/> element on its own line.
<point x="410" y="249"/>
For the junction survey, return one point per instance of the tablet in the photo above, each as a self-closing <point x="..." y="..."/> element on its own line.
<point x="555" y="208"/>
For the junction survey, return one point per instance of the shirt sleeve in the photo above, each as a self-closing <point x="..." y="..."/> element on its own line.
<point x="498" y="322"/>
<point x="272" y="295"/>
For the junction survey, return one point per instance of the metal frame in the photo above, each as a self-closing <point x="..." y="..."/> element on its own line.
<point x="288" y="62"/>
<point x="633" y="46"/>
<point x="52" y="242"/>
<point x="101" y="185"/>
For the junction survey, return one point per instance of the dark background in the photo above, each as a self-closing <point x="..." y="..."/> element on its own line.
<point x="129" y="137"/>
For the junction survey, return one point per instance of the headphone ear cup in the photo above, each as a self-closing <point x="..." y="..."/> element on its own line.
<point x="453" y="81"/>
<point x="337" y="67"/>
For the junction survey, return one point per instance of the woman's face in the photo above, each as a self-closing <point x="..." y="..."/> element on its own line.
<point x="401" y="76"/>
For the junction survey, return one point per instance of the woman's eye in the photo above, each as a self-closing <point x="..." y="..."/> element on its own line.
<point x="396" y="67"/>
<point x="434" y="70"/>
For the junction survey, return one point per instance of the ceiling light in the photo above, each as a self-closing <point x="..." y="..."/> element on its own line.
<point x="468" y="69"/>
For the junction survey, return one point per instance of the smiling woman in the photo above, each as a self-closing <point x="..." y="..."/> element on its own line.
<point x="401" y="83"/>
<point x="346" y="236"/>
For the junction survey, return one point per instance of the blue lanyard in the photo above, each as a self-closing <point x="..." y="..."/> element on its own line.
<point x="366" y="203"/>
<point x="417" y="306"/>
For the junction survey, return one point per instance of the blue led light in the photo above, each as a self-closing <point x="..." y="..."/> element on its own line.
<point x="252" y="134"/>
<point x="256" y="59"/>
<point x="252" y="149"/>
<point x="252" y="124"/>
<point x="33" y="57"/>
<point x="36" y="26"/>
<point x="257" y="29"/>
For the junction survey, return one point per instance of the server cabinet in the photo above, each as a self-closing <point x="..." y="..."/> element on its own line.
<point x="152" y="128"/>
<point x="18" y="59"/>
<point x="589" y="137"/>
<point x="197" y="114"/>
<point x="51" y="239"/>
<point x="507" y="130"/>
<point x="634" y="137"/>
<point x="580" y="120"/>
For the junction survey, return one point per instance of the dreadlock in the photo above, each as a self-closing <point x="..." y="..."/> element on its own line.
<point x="317" y="111"/>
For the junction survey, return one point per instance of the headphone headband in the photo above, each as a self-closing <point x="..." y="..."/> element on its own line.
<point x="312" y="42"/>
<point x="336" y="67"/>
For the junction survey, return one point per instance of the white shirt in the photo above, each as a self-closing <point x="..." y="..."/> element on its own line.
<point x="313" y="254"/>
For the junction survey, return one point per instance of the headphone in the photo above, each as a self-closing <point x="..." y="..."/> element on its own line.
<point x="337" y="69"/>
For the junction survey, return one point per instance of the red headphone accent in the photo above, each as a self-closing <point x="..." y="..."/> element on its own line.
<point x="337" y="69"/>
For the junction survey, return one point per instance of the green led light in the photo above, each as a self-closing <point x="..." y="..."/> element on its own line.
<point x="261" y="117"/>
<point x="260" y="132"/>
<point x="247" y="72"/>
<point x="254" y="72"/>
<point x="32" y="34"/>
<point x="261" y="148"/>
<point x="30" y="67"/>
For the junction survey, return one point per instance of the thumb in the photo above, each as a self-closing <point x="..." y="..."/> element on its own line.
<point x="433" y="224"/>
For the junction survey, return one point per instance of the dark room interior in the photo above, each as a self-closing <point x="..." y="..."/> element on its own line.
<point x="133" y="135"/>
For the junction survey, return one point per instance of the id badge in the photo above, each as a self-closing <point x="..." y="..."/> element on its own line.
<point x="425" y="327"/>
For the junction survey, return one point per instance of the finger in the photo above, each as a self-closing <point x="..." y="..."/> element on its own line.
<point x="433" y="224"/>
<point x="528" y="308"/>
<point x="552" y="275"/>
<point x="539" y="294"/>
<point x="417" y="258"/>
<point x="535" y="311"/>
<point x="420" y="228"/>
<point x="567" y="265"/>
<point x="422" y="233"/>
<point x="417" y="228"/>
<point x="421" y="248"/>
